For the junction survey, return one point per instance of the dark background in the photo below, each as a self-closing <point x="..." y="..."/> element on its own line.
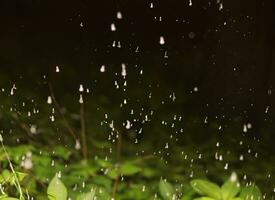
<point x="230" y="59"/>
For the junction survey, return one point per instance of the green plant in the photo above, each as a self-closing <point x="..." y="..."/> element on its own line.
<point x="230" y="190"/>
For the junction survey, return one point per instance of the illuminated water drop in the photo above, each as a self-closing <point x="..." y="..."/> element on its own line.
<point x="102" y="69"/>
<point x="57" y="69"/>
<point x="123" y="70"/>
<point x="161" y="40"/>
<point x="119" y="15"/>
<point x="81" y="88"/>
<point x="49" y="100"/>
<point x="113" y="27"/>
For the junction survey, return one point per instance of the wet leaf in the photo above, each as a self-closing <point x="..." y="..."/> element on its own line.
<point x="208" y="188"/>
<point x="57" y="190"/>
<point x="251" y="192"/>
<point x="129" y="168"/>
<point x="230" y="189"/>
<point x="166" y="190"/>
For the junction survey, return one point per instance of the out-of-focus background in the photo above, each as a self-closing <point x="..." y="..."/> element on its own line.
<point x="199" y="74"/>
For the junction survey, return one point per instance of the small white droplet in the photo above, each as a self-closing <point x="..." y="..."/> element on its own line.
<point x="226" y="166"/>
<point x="161" y="40"/>
<point x="123" y="70"/>
<point x="190" y="3"/>
<point x="49" y="100"/>
<point x="59" y="174"/>
<point x="33" y="129"/>
<point x="220" y="7"/>
<point x="244" y="128"/>
<point x="81" y="99"/>
<point x="233" y="177"/>
<point x="119" y="15"/>
<point x="102" y="69"/>
<point x="57" y="69"/>
<point x="77" y="145"/>
<point x="241" y="157"/>
<point x="81" y="89"/>
<point x="128" y="124"/>
<point x="113" y="27"/>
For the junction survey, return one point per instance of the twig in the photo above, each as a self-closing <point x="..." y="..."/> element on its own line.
<point x="147" y="157"/>
<point x="119" y="144"/>
<point x="83" y="132"/>
<point x="67" y="125"/>
<point x="115" y="187"/>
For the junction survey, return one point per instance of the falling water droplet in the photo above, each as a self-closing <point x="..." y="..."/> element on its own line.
<point x="123" y="71"/>
<point x="81" y="99"/>
<point x="102" y="69"/>
<point x="81" y="89"/>
<point x="119" y="15"/>
<point x="161" y="40"/>
<point x="49" y="100"/>
<point x="57" y="69"/>
<point x="113" y="27"/>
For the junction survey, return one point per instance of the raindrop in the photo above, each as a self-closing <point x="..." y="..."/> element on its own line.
<point x="244" y="128"/>
<point x="49" y="100"/>
<point x="81" y="99"/>
<point x="102" y="69"/>
<point x="233" y="177"/>
<point x="33" y="129"/>
<point x="220" y="7"/>
<point x="123" y="71"/>
<point x="113" y="27"/>
<point x="161" y="40"/>
<point x="57" y="69"/>
<point x="128" y="124"/>
<point x="226" y="166"/>
<point x="77" y="145"/>
<point x="119" y="15"/>
<point x="81" y="89"/>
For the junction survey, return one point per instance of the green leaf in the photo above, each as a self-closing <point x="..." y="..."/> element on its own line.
<point x="188" y="195"/>
<point x="21" y="175"/>
<point x="204" y="198"/>
<point x="251" y="192"/>
<point x="62" y="152"/>
<point x="102" y="194"/>
<point x="57" y="190"/>
<point x="166" y="190"/>
<point x="237" y="198"/>
<point x="6" y="176"/>
<point x="203" y="187"/>
<point x="230" y="189"/>
<point x="8" y="198"/>
<point x="129" y="168"/>
<point x="86" y="196"/>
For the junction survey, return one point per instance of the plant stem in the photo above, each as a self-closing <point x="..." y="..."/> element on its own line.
<point x="17" y="184"/>
<point x="119" y="144"/>
<point x="67" y="125"/>
<point x="83" y="132"/>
